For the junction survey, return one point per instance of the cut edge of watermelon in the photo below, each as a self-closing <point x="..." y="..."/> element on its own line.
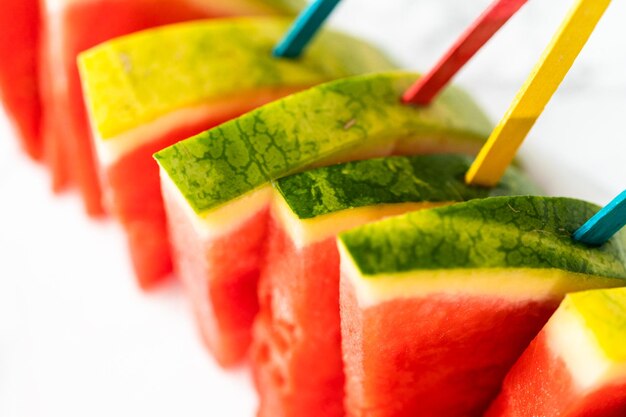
<point x="514" y="284"/>
<point x="570" y="338"/>
<point x="223" y="220"/>
<point x="304" y="232"/>
<point x="109" y="150"/>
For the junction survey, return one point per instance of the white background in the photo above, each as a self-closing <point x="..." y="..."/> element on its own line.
<point x="78" y="338"/>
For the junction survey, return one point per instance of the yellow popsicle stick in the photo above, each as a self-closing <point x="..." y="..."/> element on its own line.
<point x="499" y="150"/>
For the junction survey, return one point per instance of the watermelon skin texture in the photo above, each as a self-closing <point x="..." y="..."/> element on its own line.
<point x="445" y="352"/>
<point x="511" y="232"/>
<point x="430" y="179"/>
<point x="353" y="118"/>
<point x="19" y="20"/>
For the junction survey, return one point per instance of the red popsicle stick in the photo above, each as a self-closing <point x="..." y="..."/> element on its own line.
<point x="487" y="25"/>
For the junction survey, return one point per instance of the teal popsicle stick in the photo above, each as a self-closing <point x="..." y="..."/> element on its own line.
<point x="606" y="223"/>
<point x="304" y="28"/>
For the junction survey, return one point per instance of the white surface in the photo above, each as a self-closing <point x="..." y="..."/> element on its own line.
<point x="76" y="336"/>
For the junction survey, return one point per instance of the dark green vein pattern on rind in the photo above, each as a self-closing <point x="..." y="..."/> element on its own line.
<point x="294" y="133"/>
<point x="498" y="232"/>
<point x="137" y="78"/>
<point x="424" y="178"/>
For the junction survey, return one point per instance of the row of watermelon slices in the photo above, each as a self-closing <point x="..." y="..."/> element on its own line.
<point x="225" y="197"/>
<point x="433" y="312"/>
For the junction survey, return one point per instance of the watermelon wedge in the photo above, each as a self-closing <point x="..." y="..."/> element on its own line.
<point x="217" y="184"/>
<point x="150" y="90"/>
<point x="19" y="20"/>
<point x="297" y="335"/>
<point x="576" y="366"/>
<point x="73" y="26"/>
<point x="437" y="305"/>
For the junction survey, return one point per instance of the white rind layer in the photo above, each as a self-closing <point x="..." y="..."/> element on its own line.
<point x="304" y="232"/>
<point x="570" y="339"/>
<point x="513" y="285"/>
<point x="54" y="48"/>
<point x="222" y="220"/>
<point x="112" y="149"/>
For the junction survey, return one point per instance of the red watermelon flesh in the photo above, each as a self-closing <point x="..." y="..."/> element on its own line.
<point x="219" y="279"/>
<point x="74" y="29"/>
<point x="296" y="352"/>
<point x="566" y="371"/>
<point x="297" y="337"/>
<point x="540" y="385"/>
<point x="19" y="20"/>
<point x="398" y="355"/>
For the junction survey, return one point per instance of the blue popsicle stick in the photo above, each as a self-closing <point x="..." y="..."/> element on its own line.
<point x="606" y="223"/>
<point x="304" y="28"/>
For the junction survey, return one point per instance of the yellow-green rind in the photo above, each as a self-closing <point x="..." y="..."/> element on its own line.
<point x="311" y="127"/>
<point x="286" y="6"/>
<point x="604" y="313"/>
<point x="137" y="78"/>
<point x="499" y="232"/>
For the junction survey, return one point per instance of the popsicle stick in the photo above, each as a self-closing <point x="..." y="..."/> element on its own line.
<point x="470" y="42"/>
<point x="558" y="58"/>
<point x="605" y="224"/>
<point x="304" y="28"/>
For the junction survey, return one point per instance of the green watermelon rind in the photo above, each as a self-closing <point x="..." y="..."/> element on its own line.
<point x="137" y="78"/>
<point x="497" y="232"/>
<point x="391" y="180"/>
<point x="304" y="129"/>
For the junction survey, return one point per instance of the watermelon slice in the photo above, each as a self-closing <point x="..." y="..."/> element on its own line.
<point x="19" y="20"/>
<point x="217" y="184"/>
<point x="72" y="26"/>
<point x="150" y="90"/>
<point x="437" y="305"/>
<point x="297" y="346"/>
<point x="576" y="366"/>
